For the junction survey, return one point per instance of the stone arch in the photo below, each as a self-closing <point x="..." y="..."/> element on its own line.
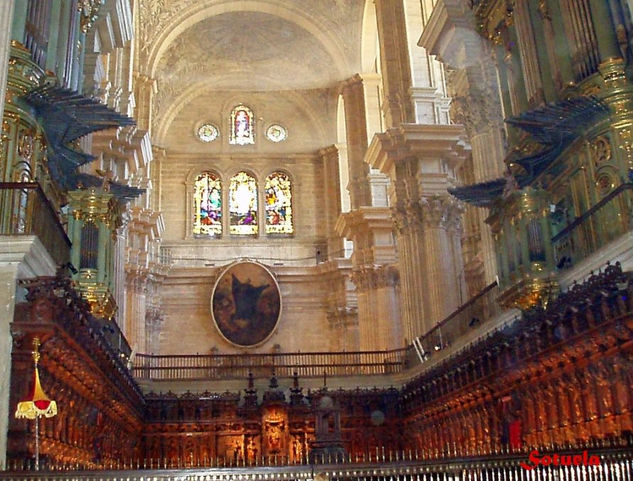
<point x="199" y="12"/>
<point x="194" y="90"/>
<point x="341" y="144"/>
<point x="370" y="47"/>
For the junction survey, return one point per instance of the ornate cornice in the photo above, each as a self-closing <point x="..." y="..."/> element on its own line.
<point x="414" y="141"/>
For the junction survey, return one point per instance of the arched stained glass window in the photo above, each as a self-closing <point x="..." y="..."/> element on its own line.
<point x="207" y="205"/>
<point x="242" y="128"/>
<point x="243" y="204"/>
<point x="278" y="204"/>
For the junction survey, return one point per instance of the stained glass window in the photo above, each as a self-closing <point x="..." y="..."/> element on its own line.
<point x="208" y="132"/>
<point x="242" y="129"/>
<point x="243" y="204"/>
<point x="207" y="200"/>
<point x="278" y="204"/>
<point x="276" y="133"/>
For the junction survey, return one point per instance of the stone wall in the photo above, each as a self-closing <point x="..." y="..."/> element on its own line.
<point x="189" y="327"/>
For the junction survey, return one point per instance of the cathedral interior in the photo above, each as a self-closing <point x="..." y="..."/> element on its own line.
<point x="338" y="239"/>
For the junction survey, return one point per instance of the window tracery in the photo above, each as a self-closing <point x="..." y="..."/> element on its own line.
<point x="208" y="132"/>
<point x="242" y="128"/>
<point x="276" y="133"/>
<point x="207" y="200"/>
<point x="278" y="204"/>
<point x="243" y="204"/>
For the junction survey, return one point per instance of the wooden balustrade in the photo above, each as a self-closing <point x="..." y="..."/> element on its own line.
<point x="558" y="378"/>
<point x="238" y="366"/>
<point x="25" y="210"/>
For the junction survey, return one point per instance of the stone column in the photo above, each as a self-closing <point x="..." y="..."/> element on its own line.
<point x="332" y="200"/>
<point x="119" y="271"/>
<point x="373" y="115"/>
<point x="477" y="106"/>
<point x="356" y="133"/>
<point x="375" y="276"/>
<point x="20" y="257"/>
<point x="136" y="310"/>
<point x="420" y="161"/>
<point x="412" y="265"/>
<point x="394" y="62"/>
<point x="472" y="83"/>
<point x="444" y="270"/>
<point x="378" y="182"/>
<point x="429" y="246"/>
<point x="144" y="89"/>
<point x="428" y="89"/>
<point x="378" y="309"/>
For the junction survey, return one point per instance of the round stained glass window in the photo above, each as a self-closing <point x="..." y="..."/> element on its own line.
<point x="208" y="132"/>
<point x="276" y="133"/>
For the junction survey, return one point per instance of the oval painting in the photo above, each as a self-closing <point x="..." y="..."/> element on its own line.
<point x="246" y="304"/>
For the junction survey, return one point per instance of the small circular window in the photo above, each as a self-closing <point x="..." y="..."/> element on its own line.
<point x="208" y="132"/>
<point x="276" y="133"/>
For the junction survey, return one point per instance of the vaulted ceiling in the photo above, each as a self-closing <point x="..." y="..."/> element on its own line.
<point x="193" y="49"/>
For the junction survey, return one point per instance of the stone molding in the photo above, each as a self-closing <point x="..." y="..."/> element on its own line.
<point x="375" y="277"/>
<point x="443" y="212"/>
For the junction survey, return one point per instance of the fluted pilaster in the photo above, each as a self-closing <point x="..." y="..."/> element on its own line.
<point x="378" y="308"/>
<point x="375" y="276"/>
<point x="332" y="199"/>
<point x="420" y="162"/>
<point x="356" y="132"/>
<point x="394" y="62"/>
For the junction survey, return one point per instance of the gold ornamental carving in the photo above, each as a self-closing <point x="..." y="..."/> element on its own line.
<point x="625" y="135"/>
<point x="100" y="299"/>
<point x="529" y="292"/>
<point x="601" y="150"/>
<point x="92" y="205"/>
<point x="89" y="10"/>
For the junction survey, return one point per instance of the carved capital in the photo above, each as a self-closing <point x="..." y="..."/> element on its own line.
<point x="342" y="317"/>
<point x="478" y="110"/>
<point x="442" y="212"/>
<point x="375" y="277"/>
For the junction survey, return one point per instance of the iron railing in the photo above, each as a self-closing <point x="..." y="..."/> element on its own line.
<point x="469" y="316"/>
<point x="25" y="210"/>
<point x="597" y="464"/>
<point x="238" y="366"/>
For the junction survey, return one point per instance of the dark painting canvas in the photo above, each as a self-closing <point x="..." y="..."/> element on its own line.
<point x="246" y="304"/>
